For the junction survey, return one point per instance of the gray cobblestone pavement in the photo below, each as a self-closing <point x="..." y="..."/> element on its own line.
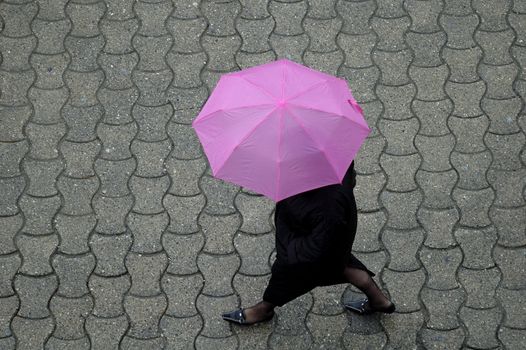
<point x="113" y="234"/>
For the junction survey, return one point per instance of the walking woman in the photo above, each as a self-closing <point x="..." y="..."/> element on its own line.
<point x="315" y="231"/>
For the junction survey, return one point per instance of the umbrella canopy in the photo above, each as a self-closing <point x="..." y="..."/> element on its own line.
<point x="280" y="128"/>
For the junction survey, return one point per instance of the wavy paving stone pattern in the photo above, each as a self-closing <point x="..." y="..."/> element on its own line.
<point x="114" y="235"/>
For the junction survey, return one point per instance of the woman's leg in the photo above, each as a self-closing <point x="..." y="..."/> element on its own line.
<point x="364" y="282"/>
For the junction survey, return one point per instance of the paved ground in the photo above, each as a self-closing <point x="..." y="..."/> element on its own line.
<point x="114" y="235"/>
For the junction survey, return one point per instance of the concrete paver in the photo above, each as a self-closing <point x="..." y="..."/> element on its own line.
<point x="114" y="234"/>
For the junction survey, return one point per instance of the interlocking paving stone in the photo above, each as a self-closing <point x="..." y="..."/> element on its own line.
<point x="437" y="188"/>
<point x="463" y="64"/>
<point x="187" y="32"/>
<point x="114" y="176"/>
<point x="182" y="293"/>
<point x="73" y="273"/>
<point x="70" y="316"/>
<point x="290" y="318"/>
<point x="144" y="314"/>
<point x="402" y="248"/>
<point x="108" y="294"/>
<point x="32" y="333"/>
<point x="515" y="317"/>
<point x="458" y="7"/>
<point x="426" y="48"/>
<point x="505" y="146"/>
<point x="61" y="344"/>
<point x="85" y="18"/>
<point x="118" y="35"/>
<point x="438" y="226"/>
<point x="218" y="271"/>
<point x="146" y="272"/>
<point x="512" y="338"/>
<point x="44" y="139"/>
<point x="390" y="32"/>
<point x="368" y="156"/>
<point x="150" y="157"/>
<point x="10" y="226"/>
<point x="106" y="332"/>
<point x="471" y="169"/>
<point x="499" y="80"/>
<point x="393" y="66"/>
<point x="400" y="135"/>
<point x="152" y="51"/>
<point x="442" y="306"/>
<point x="81" y="122"/>
<point x="424" y="15"/>
<point x="477" y="246"/>
<point x="288" y="17"/>
<point x="442" y="340"/>
<point x="219" y="232"/>
<point x="210" y="307"/>
<point x="512" y="263"/>
<point x="503" y="114"/>
<point x="495" y="46"/>
<point x="364" y="341"/>
<point x="51" y="10"/>
<point x="182" y="252"/>
<point x="148" y="193"/>
<point x="13" y="121"/>
<point x="493" y="15"/>
<point x="110" y="252"/>
<point x="36" y="252"/>
<point x="183" y="212"/>
<point x="256" y="251"/>
<point x="396" y="100"/>
<point x="152" y="122"/>
<point x="79" y="158"/>
<point x="255" y="34"/>
<point x="367" y="189"/>
<point x="84" y="52"/>
<point x="180" y="333"/>
<point x="516" y="20"/>
<point x="101" y="170"/>
<point x="363" y="81"/>
<point x="441" y="266"/>
<point x="368" y="237"/>
<point x="396" y="217"/>
<point x="34" y="294"/>
<point x="474" y="206"/>
<point x="47" y="104"/>
<point x="475" y="128"/>
<point x="482" y="326"/>
<point x="396" y="327"/>
<point x="206" y="343"/>
<point x="406" y="299"/>
<point x="326" y="330"/>
<point x="510" y="224"/>
<point x="460" y="30"/>
<point x="8" y="309"/>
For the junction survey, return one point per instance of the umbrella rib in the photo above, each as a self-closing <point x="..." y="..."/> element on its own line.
<point x="320" y="110"/>
<point x="211" y="114"/>
<point x="316" y="142"/>
<point x="244" y="138"/>
<point x="258" y="86"/>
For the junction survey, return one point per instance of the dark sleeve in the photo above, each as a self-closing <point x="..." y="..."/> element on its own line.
<point x="319" y="244"/>
<point x="349" y="180"/>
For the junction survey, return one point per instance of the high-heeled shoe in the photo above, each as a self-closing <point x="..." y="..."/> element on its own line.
<point x="363" y="307"/>
<point x="238" y="317"/>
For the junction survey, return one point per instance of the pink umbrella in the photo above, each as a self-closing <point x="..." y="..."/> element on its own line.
<point x="280" y="128"/>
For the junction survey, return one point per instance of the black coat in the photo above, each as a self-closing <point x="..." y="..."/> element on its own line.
<point x="315" y="231"/>
<point x="318" y="226"/>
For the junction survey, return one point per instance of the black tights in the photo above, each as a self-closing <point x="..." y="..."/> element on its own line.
<point x="364" y="282"/>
